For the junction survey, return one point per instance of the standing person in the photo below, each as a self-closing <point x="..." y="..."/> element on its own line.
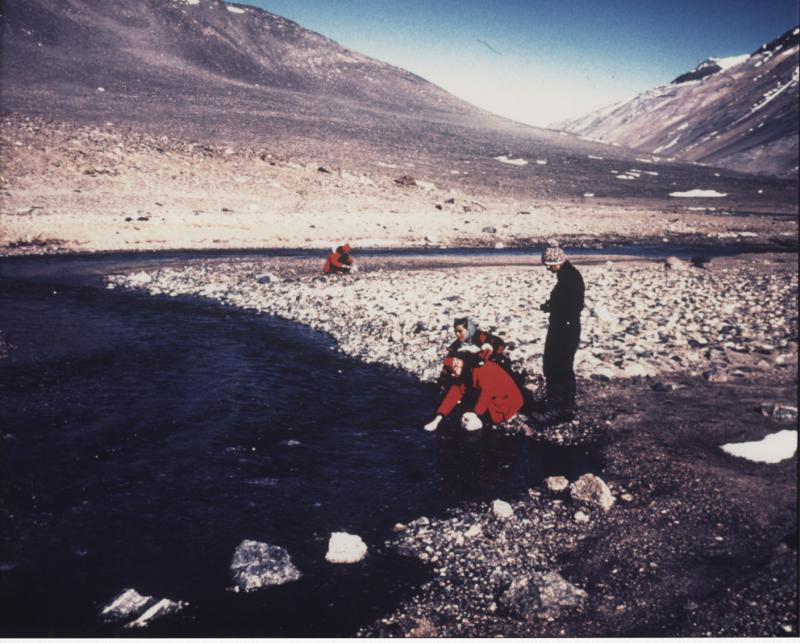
<point x="339" y="261"/>
<point x="563" y="335"/>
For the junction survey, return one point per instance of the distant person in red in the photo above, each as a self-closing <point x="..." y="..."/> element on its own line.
<point x="498" y="395"/>
<point x="339" y="261"/>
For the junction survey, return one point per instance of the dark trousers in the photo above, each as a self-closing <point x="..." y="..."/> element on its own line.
<point x="560" y="347"/>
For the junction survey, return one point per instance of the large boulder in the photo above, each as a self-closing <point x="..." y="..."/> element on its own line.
<point x="541" y="595"/>
<point x="257" y="565"/>
<point x="591" y="490"/>
<point x="345" y="548"/>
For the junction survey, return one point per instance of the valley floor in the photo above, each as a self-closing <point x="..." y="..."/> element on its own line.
<point x="69" y="188"/>
<point x="673" y="365"/>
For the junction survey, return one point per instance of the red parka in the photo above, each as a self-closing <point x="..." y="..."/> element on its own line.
<point x="498" y="394"/>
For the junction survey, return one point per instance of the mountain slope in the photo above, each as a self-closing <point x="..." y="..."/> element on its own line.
<point x="740" y="113"/>
<point x="213" y="73"/>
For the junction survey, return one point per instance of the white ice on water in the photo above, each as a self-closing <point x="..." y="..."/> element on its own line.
<point x="773" y="448"/>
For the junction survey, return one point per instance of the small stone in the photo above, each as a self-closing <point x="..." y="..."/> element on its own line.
<point x="267" y="278"/>
<point x="502" y="509"/>
<point x="591" y="490"/>
<point x="673" y="263"/>
<point x="626" y="497"/>
<point x="581" y="517"/>
<point x="345" y="548"/>
<point x="473" y="531"/>
<point x="399" y="527"/>
<point x="556" y="483"/>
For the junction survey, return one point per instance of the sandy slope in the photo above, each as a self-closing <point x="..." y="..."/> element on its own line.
<point x="69" y="188"/>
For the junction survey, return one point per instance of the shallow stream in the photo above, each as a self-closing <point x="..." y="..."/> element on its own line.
<point x="143" y="438"/>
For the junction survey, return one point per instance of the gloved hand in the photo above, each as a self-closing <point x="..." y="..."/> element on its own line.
<point x="545" y="307"/>
<point x="471" y="422"/>
<point x="469" y="348"/>
<point x="486" y="352"/>
<point x="433" y="424"/>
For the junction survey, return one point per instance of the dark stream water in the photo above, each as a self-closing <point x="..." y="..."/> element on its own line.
<point x="144" y="438"/>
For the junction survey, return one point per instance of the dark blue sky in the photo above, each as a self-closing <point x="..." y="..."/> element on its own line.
<point x="543" y="60"/>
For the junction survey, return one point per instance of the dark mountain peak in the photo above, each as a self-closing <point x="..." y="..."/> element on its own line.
<point x="789" y="39"/>
<point x="705" y="68"/>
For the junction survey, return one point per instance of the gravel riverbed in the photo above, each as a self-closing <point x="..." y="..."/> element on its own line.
<point x="673" y="363"/>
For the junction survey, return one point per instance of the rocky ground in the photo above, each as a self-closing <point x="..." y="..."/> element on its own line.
<point x="67" y="187"/>
<point x="724" y="321"/>
<point x="674" y="362"/>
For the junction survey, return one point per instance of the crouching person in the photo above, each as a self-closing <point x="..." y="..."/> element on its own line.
<point x="498" y="395"/>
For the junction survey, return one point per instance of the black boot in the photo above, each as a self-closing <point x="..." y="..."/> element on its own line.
<point x="560" y="406"/>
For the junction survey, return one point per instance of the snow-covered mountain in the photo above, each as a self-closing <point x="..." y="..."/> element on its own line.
<point x="739" y="112"/>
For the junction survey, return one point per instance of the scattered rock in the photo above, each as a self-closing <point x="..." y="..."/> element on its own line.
<point x="345" y="548"/>
<point x="474" y="530"/>
<point x="502" y="509"/>
<point x="405" y="180"/>
<point x="779" y="412"/>
<point x="257" y="564"/>
<point x="673" y="263"/>
<point x="556" y="484"/>
<point x="665" y="386"/>
<point x="542" y="595"/>
<point x="267" y="278"/>
<point x="593" y="491"/>
<point x="581" y="517"/>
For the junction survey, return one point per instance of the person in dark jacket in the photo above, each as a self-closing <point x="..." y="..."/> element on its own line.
<point x="498" y="396"/>
<point x="563" y="335"/>
<point x="339" y="261"/>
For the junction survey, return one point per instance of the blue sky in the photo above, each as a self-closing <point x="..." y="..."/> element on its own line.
<point x="539" y="61"/>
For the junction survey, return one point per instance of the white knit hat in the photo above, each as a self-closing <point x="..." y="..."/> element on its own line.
<point x="553" y="254"/>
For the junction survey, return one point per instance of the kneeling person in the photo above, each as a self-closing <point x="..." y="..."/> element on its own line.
<point x="498" y="394"/>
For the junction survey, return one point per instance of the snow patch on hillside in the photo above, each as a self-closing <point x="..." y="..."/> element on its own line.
<point x="773" y="448"/>
<point x="509" y="161"/>
<point x="696" y="192"/>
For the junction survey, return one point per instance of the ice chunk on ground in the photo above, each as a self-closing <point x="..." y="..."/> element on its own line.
<point x="256" y="565"/>
<point x="161" y="608"/>
<point x="696" y="192"/>
<point x="773" y="448"/>
<point x="345" y="548"/>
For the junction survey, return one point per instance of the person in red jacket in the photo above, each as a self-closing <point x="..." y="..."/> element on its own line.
<point x="499" y="397"/>
<point x="339" y="261"/>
